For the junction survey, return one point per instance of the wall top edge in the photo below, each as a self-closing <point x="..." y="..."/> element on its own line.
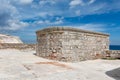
<point x="52" y="29"/>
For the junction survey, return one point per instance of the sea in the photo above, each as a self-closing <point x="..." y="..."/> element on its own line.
<point x="114" y="47"/>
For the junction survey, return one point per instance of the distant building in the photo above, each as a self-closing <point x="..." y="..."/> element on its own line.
<point x="71" y="44"/>
<point x="9" y="39"/>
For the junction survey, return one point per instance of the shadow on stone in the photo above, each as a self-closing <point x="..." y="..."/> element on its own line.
<point x="35" y="54"/>
<point x="115" y="73"/>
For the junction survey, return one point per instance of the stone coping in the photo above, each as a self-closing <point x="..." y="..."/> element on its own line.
<point x="19" y="46"/>
<point x="52" y="29"/>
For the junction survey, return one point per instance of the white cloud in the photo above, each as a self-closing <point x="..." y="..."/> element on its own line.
<point x="44" y="2"/>
<point x="44" y="14"/>
<point x="89" y="9"/>
<point x="91" y="1"/>
<point x="92" y="27"/>
<point x="80" y="2"/>
<point x="10" y="10"/>
<point x="77" y="12"/>
<point x="66" y="8"/>
<point x="58" y="22"/>
<point x="47" y="22"/>
<point x="25" y="1"/>
<point x="9" y="17"/>
<point x="15" y="25"/>
<point x="76" y="2"/>
<point x="5" y="6"/>
<point x="40" y="22"/>
<point x="59" y="18"/>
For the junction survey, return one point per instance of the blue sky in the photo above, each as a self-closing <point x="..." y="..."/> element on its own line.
<point x="23" y="17"/>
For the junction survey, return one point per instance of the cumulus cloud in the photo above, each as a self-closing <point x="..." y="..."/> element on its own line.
<point x="77" y="12"/>
<point x="86" y="8"/>
<point x="15" y="25"/>
<point x="48" y="22"/>
<point x="90" y="7"/>
<point x="23" y="15"/>
<point x="8" y="16"/>
<point x="44" y="14"/>
<point x="45" y="21"/>
<point x="12" y="13"/>
<point x="25" y="1"/>
<point x="92" y="27"/>
<point x="46" y="2"/>
<point x="91" y="1"/>
<point x="76" y="2"/>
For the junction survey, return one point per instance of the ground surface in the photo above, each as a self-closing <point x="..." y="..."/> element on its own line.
<point x="23" y="65"/>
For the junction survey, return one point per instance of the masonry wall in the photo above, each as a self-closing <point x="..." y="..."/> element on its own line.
<point x="71" y="45"/>
<point x="113" y="54"/>
<point x="17" y="46"/>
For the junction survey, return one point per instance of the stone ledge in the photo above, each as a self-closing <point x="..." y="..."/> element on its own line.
<point x="17" y="46"/>
<point x="52" y="29"/>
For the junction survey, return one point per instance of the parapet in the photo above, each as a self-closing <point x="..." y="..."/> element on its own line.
<point x="52" y="29"/>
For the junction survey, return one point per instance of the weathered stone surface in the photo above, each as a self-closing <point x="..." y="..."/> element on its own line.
<point x="113" y="54"/>
<point x="17" y="46"/>
<point x="23" y="65"/>
<point x="70" y="44"/>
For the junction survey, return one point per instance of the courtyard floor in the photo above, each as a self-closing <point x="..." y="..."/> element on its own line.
<point x="24" y="65"/>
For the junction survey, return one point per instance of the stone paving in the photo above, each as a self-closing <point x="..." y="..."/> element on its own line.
<point x="24" y="65"/>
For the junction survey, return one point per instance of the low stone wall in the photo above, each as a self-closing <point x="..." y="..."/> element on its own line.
<point x="113" y="53"/>
<point x="17" y="46"/>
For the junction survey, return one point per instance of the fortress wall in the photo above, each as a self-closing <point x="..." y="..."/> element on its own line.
<point x="17" y="46"/>
<point x="70" y="44"/>
<point x="113" y="54"/>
